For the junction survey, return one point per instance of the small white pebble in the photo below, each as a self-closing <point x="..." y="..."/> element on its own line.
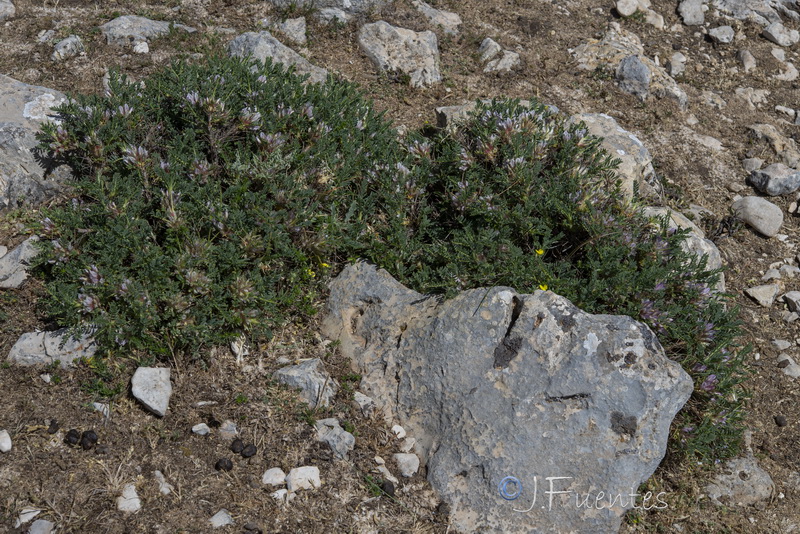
<point x="201" y="429"/>
<point x="274" y="477"/>
<point x="399" y="431"/>
<point x="221" y="519"/>
<point x="5" y="441"/>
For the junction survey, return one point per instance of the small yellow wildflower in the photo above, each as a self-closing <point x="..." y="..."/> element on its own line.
<point x="543" y="287"/>
<point x="539" y="251"/>
<point x="311" y="273"/>
<point x="324" y="265"/>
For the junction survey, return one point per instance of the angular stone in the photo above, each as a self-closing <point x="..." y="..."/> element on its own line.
<point x="506" y="63"/>
<point x="489" y="49"/>
<point x="776" y="179"/>
<point x="746" y="58"/>
<point x="764" y="294"/>
<point x="365" y="404"/>
<point x="781" y="35"/>
<point x="741" y="482"/>
<point x="201" y="429"/>
<point x="151" y="387"/>
<point x="633" y="77"/>
<point x="449" y="22"/>
<point x="13" y="266"/>
<point x="722" y="34"/>
<point x="45" y="348"/>
<point x="618" y="44"/>
<point x="790" y="368"/>
<point x="340" y="441"/>
<point x="129" y="500"/>
<point x="27" y="177"/>
<point x="303" y="478"/>
<point x="636" y="163"/>
<point x="676" y="64"/>
<point x="131" y="29"/>
<point x="407" y="463"/>
<point x="5" y="441"/>
<point x="294" y="30"/>
<point x="626" y="8"/>
<point x="328" y="15"/>
<point x="316" y="386"/>
<point x="762" y="12"/>
<point x="67" y="48"/>
<point x="263" y="45"/>
<point x="221" y="519"/>
<point x="274" y="477"/>
<point x="7" y="10"/>
<point x="792" y="300"/>
<point x="395" y="49"/>
<point x="691" y="11"/>
<point x="762" y="215"/>
<point x="41" y="526"/>
<point x="695" y="243"/>
<point x="784" y="147"/>
<point x="520" y="385"/>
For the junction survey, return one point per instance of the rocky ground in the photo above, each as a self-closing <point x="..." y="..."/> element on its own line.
<point x="696" y="118"/>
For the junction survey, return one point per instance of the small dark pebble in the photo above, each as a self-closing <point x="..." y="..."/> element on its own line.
<point x="237" y="446"/>
<point x="101" y="449"/>
<point x="252" y="527"/>
<point x="86" y="443"/>
<point x="676" y="46"/>
<point x="783" y="363"/>
<point x="249" y="451"/>
<point x="73" y="437"/>
<point x="53" y="428"/>
<point x="224" y="464"/>
<point x="387" y="487"/>
<point x="780" y="420"/>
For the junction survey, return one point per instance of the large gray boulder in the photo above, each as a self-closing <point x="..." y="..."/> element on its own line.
<point x="494" y="384"/>
<point x="394" y="49"/>
<point x="26" y="175"/>
<point x="263" y="45"/>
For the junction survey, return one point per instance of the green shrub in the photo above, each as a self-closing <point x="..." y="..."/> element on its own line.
<point x="209" y="200"/>
<point x="214" y="199"/>
<point x="517" y="197"/>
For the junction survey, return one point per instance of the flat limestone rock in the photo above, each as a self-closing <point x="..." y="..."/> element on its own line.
<point x="27" y="178"/>
<point x="130" y="29"/>
<point x="527" y="386"/>
<point x="151" y="387"/>
<point x="395" y="49"/>
<point x="45" y="348"/>
<point x="262" y="45"/>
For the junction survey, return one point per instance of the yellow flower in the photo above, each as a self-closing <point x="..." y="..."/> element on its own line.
<point x="543" y="287"/>
<point x="324" y="265"/>
<point x="539" y="251"/>
<point x="310" y="273"/>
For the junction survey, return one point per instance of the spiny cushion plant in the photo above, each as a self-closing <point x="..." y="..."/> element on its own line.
<point x="216" y="199"/>
<point x="206" y="202"/>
